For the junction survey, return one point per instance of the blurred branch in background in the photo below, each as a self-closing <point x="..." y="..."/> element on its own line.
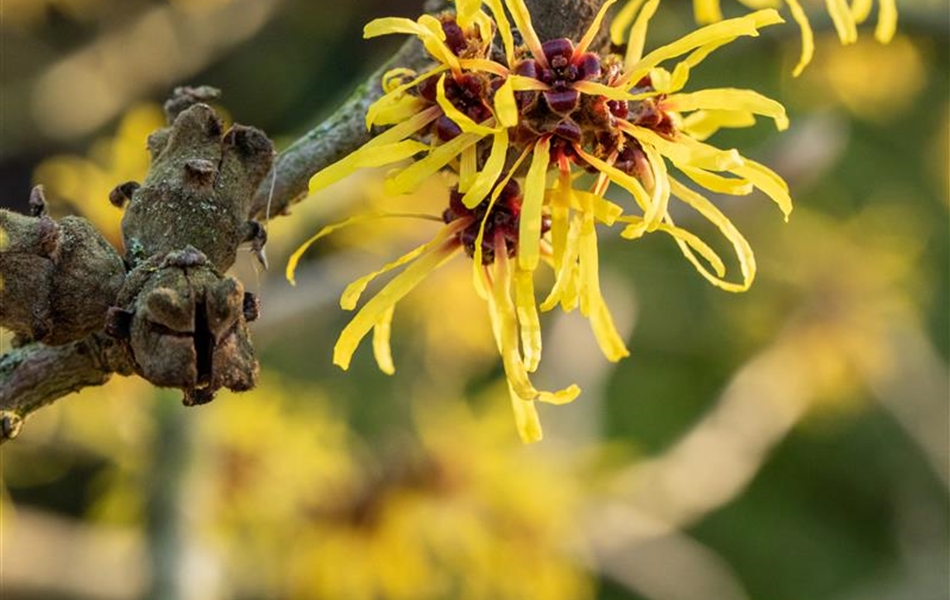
<point x="86" y="558"/>
<point x="167" y="504"/>
<point x="140" y="55"/>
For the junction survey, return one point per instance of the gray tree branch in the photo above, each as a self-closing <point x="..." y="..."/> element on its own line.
<point x="36" y="375"/>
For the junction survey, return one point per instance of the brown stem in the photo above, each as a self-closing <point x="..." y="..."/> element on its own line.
<point x="564" y="18"/>
<point x="36" y="375"/>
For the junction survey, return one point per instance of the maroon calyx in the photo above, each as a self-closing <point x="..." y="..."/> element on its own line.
<point x="469" y="93"/>
<point x="632" y="160"/>
<point x="454" y="36"/>
<point x="502" y="224"/>
<point x="648" y="114"/>
<point x="565" y="67"/>
<point x="563" y="101"/>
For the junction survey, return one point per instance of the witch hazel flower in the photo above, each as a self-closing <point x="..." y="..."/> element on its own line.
<point x="518" y="130"/>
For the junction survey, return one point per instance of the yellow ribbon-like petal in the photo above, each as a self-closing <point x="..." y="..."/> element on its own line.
<point x="660" y="194"/>
<point x="504" y="316"/>
<point x="769" y="182"/>
<point x="428" y="29"/>
<point x="504" y="29"/>
<point x="636" y="230"/>
<point x="593" y="88"/>
<point x="526" y="418"/>
<point x="294" y="259"/>
<point x="627" y="182"/>
<point x="522" y="19"/>
<point x="468" y="168"/>
<point x="760" y="4"/>
<point x="365" y="157"/>
<point x="478" y="270"/>
<point x="396" y="94"/>
<point x="743" y="251"/>
<point x="685" y="151"/>
<point x="622" y="20"/>
<point x="808" y="36"/>
<point x="861" y="10"/>
<point x="527" y="310"/>
<point x="520" y="83"/>
<point x="707" y="11"/>
<point x="486" y="29"/>
<point x="407" y="128"/>
<point x="398" y="110"/>
<point x="561" y="199"/>
<point x="393" y="78"/>
<point x="594" y="29"/>
<point x="382" y="351"/>
<point x="464" y="122"/>
<point x="483" y="64"/>
<point x="393" y="292"/>
<point x="702" y="124"/>
<point x="604" y="210"/>
<point x="529" y="229"/>
<point x="486" y="178"/>
<point x="728" y="99"/>
<point x="351" y="295"/>
<point x="683" y="69"/>
<point x="592" y="303"/>
<point x="409" y="179"/>
<point x="729" y="29"/>
<point x="886" y="21"/>
<point x="506" y="108"/>
<point x="465" y="12"/>
<point x="565" y="288"/>
<point x="717" y="183"/>
<point x="638" y="34"/>
<point x="843" y="20"/>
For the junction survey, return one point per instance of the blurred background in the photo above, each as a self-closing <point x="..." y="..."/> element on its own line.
<point x="788" y="443"/>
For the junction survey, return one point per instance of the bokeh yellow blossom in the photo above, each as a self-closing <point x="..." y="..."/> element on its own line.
<point x="462" y="512"/>
<point x="853" y="79"/>
<point x="85" y="182"/>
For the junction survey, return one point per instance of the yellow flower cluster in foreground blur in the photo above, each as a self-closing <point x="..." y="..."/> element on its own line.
<point x="535" y="141"/>
<point x="428" y="518"/>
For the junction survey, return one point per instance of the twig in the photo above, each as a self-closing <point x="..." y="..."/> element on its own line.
<point x="36" y="375"/>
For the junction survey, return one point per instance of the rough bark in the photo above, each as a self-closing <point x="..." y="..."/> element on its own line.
<point x="36" y="375"/>
<point x="166" y="311"/>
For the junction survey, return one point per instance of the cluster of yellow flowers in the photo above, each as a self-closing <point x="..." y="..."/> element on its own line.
<point x="521" y="133"/>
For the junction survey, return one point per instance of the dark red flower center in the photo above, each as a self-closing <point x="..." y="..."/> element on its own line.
<point x="502" y="223"/>
<point x="563" y="70"/>
<point x="467" y="92"/>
